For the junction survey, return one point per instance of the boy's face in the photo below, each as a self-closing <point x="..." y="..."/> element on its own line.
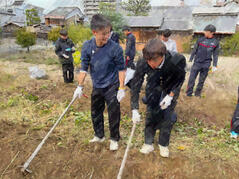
<point x="155" y="63"/>
<point x="63" y="37"/>
<point x="208" y="34"/>
<point x="126" y="32"/>
<point x="102" y="35"/>
<point x="165" y="39"/>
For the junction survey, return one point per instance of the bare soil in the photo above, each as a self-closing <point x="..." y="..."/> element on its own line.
<point x="67" y="153"/>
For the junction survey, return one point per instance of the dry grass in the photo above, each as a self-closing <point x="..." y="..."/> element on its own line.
<point x="200" y="144"/>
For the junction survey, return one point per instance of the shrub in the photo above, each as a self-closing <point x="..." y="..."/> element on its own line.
<point x="230" y="45"/>
<point x="53" y="35"/>
<point x="25" y="39"/>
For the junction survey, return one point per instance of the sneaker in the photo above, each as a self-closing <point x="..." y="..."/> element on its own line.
<point x="97" y="139"/>
<point x="114" y="145"/>
<point x="164" y="152"/>
<point x="146" y="149"/>
<point x="234" y="134"/>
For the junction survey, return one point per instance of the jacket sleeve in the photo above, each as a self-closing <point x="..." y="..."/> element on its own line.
<point x="194" y="51"/>
<point x="58" y="50"/>
<point x="128" y="45"/>
<point x="175" y="47"/>
<point x="178" y="82"/>
<point x="215" y="55"/>
<point x="72" y="45"/>
<point x="119" y="58"/>
<point x="137" y="83"/>
<point x="85" y="57"/>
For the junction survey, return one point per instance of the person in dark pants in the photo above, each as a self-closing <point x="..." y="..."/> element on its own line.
<point x="130" y="47"/>
<point x="235" y="120"/>
<point x="64" y="48"/>
<point x="204" y="49"/>
<point x="107" y="69"/>
<point x="165" y="76"/>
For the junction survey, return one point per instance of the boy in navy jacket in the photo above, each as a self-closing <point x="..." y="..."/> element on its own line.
<point x="204" y="49"/>
<point x="105" y="60"/>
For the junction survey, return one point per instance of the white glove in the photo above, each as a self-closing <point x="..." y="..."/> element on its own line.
<point x="120" y="94"/>
<point x="73" y="49"/>
<point x="78" y="92"/>
<point x="214" y="69"/>
<point x="166" y="102"/>
<point x="135" y="116"/>
<point x="128" y="75"/>
<point x="65" y="56"/>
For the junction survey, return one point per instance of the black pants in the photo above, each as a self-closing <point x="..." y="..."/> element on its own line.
<point x="98" y="99"/>
<point x="156" y="118"/>
<point x="196" y="69"/>
<point x="130" y="63"/>
<point x="68" y="72"/>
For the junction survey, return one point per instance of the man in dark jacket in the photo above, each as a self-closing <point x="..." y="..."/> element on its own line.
<point x="64" y="48"/>
<point x="204" y="49"/>
<point x="165" y="76"/>
<point x="235" y="120"/>
<point x="105" y="60"/>
<point x="114" y="36"/>
<point x="130" y="47"/>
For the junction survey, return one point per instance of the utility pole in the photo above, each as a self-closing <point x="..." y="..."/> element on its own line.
<point x="117" y="5"/>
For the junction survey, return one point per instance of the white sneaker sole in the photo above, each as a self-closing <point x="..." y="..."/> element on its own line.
<point x="97" y="141"/>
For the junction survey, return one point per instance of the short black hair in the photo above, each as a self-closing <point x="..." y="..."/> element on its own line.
<point x="99" y="22"/>
<point x="63" y="32"/>
<point x="125" y="27"/>
<point x="166" y="33"/>
<point x="210" y="28"/>
<point x="154" y="48"/>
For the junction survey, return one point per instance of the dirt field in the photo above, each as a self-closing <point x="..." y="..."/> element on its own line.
<point x="200" y="144"/>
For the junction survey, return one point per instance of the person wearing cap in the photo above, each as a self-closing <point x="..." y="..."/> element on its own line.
<point x="130" y="47"/>
<point x="64" y="48"/>
<point x="205" y="51"/>
<point x="169" y="43"/>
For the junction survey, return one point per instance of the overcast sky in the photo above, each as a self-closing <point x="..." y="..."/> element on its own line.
<point x="44" y="3"/>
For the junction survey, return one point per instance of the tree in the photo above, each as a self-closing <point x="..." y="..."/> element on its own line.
<point x="32" y="17"/>
<point x="137" y="7"/>
<point x="117" y="20"/>
<point x="79" y="34"/>
<point x="25" y="39"/>
<point x="53" y="35"/>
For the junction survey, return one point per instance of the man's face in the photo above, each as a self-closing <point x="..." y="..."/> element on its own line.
<point x="155" y="63"/>
<point x="126" y="32"/>
<point x="102" y="35"/>
<point x="208" y="34"/>
<point x="165" y="39"/>
<point x="63" y="37"/>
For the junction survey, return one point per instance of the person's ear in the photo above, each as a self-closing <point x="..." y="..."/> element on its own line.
<point x="94" y="32"/>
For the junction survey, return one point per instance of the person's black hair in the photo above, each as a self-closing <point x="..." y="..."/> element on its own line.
<point x="126" y="28"/>
<point x="167" y="33"/>
<point x="63" y="32"/>
<point x="99" y="22"/>
<point x="210" y="28"/>
<point x="154" y="48"/>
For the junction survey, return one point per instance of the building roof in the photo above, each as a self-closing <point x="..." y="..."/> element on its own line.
<point x="174" y="18"/>
<point x="224" y="24"/>
<point x="63" y="12"/>
<point x="224" y="18"/>
<point x="144" y="21"/>
<point x="19" y="24"/>
<point x="225" y="10"/>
